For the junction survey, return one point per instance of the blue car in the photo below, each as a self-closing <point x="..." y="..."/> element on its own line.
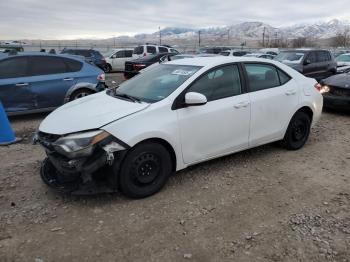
<point x="37" y="82"/>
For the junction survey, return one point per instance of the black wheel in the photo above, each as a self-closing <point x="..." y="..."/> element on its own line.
<point x="80" y="93"/>
<point x="108" y="68"/>
<point x="298" y="131"/>
<point x="145" y="170"/>
<point x="51" y="177"/>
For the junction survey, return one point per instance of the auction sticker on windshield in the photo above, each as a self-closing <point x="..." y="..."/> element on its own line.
<point x="182" y="72"/>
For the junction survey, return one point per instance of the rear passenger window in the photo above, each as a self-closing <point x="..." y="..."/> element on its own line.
<point x="163" y="49"/>
<point x="261" y="77"/>
<point x="13" y="67"/>
<point x="220" y="83"/>
<point x="45" y="65"/>
<point x="323" y="56"/>
<point x="73" y="65"/>
<point x="151" y="49"/>
<point x="284" y="78"/>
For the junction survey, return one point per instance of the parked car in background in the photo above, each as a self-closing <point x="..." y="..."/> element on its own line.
<point x="133" y="67"/>
<point x="212" y="50"/>
<point x="314" y="63"/>
<point x="234" y="53"/>
<point x="343" y="63"/>
<point x="336" y="91"/>
<point x="7" y="49"/>
<point x="116" y="59"/>
<point x="260" y="55"/>
<point x="149" y="49"/>
<point x="270" y="51"/>
<point x="163" y="121"/>
<point x="36" y="82"/>
<point x="91" y="56"/>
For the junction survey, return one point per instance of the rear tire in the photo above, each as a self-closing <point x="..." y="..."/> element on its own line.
<point x="145" y="170"/>
<point x="297" y="132"/>
<point x="80" y="93"/>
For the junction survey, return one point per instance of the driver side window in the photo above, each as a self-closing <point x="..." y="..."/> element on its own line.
<point x="120" y="54"/>
<point x="219" y="83"/>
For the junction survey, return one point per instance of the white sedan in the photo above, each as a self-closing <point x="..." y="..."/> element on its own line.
<point x="176" y="115"/>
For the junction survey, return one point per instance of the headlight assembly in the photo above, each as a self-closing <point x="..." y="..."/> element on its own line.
<point x="79" y="144"/>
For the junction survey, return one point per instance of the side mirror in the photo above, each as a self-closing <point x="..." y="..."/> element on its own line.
<point x="113" y="56"/>
<point x="307" y="62"/>
<point x="195" y="99"/>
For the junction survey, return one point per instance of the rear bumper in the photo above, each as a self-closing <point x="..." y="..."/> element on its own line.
<point x="337" y="102"/>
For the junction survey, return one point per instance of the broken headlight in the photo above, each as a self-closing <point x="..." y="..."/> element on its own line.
<point x="79" y="144"/>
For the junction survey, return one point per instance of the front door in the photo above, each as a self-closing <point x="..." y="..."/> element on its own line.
<point x="222" y="125"/>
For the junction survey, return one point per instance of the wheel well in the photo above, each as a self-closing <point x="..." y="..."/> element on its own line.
<point x="307" y="110"/>
<point x="167" y="146"/>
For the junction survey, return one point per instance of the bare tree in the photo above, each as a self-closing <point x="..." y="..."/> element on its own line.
<point x="342" y="39"/>
<point x="299" y="42"/>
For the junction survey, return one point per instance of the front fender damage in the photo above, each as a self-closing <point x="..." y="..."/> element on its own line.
<point x="95" y="174"/>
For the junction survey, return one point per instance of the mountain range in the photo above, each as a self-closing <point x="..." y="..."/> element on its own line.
<point x="255" y="30"/>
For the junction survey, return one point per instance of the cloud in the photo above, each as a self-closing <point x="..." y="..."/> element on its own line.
<point x="63" y="19"/>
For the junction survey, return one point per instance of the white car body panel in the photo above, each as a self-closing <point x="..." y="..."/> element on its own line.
<point x="195" y="133"/>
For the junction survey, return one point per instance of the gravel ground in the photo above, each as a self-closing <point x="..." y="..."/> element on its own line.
<point x="264" y="204"/>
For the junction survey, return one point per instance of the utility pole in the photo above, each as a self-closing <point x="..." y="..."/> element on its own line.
<point x="114" y="41"/>
<point x="228" y="36"/>
<point x="199" y="38"/>
<point x="160" y="36"/>
<point x="264" y="37"/>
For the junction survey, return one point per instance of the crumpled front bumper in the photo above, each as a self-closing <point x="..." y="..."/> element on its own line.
<point x="93" y="174"/>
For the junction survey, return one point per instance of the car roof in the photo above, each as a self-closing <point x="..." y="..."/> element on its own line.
<point x="41" y="54"/>
<point x="216" y="60"/>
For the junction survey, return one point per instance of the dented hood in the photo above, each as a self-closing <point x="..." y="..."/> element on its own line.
<point x="87" y="113"/>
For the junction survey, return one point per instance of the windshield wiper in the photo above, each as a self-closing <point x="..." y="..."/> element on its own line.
<point x="129" y="97"/>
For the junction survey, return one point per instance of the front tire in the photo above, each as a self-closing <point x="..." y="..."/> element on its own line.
<point x="80" y="93"/>
<point x="108" y="68"/>
<point x="145" y="170"/>
<point x="297" y="132"/>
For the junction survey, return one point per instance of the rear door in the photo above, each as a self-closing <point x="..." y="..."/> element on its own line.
<point x="15" y="85"/>
<point x="53" y="78"/>
<point x="274" y="98"/>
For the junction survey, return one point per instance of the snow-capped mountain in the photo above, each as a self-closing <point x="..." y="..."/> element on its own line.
<point x="255" y="30"/>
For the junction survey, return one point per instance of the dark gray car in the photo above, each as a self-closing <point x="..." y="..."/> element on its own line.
<point x="318" y="64"/>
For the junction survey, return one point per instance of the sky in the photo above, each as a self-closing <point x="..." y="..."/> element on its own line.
<point x="75" y="19"/>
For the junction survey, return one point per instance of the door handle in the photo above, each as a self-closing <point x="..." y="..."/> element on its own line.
<point x="291" y="92"/>
<point x="68" y="79"/>
<point x="22" y="84"/>
<point x="242" y="104"/>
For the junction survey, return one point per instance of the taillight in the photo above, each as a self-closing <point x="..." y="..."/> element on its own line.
<point x="101" y="77"/>
<point x="138" y="67"/>
<point x="318" y="86"/>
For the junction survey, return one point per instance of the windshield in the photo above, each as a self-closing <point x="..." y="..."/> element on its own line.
<point x="343" y="58"/>
<point x="290" y="57"/>
<point x="109" y="53"/>
<point x="157" y="83"/>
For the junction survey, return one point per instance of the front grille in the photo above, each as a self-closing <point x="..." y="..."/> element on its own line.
<point x="337" y="91"/>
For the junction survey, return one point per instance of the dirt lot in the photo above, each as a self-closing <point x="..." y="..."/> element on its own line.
<point x="265" y="204"/>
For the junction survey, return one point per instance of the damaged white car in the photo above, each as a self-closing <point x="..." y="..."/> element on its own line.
<point x="177" y="114"/>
